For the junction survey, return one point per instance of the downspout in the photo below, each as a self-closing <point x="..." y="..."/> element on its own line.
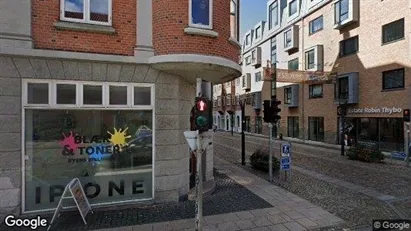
<point x="302" y="85"/>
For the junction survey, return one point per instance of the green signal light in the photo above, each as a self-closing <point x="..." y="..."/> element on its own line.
<point x="201" y="120"/>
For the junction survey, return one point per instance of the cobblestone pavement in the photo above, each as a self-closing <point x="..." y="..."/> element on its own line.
<point x="349" y="189"/>
<point x="228" y="197"/>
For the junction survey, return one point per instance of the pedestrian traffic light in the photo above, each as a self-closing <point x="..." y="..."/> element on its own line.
<point x="275" y="110"/>
<point x="202" y="114"/>
<point x="267" y="111"/>
<point x="406" y="115"/>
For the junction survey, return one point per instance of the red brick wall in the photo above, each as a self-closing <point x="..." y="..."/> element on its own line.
<point x="46" y="36"/>
<point x="170" y="17"/>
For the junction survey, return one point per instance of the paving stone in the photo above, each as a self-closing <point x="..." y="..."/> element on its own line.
<point x="274" y="211"/>
<point x="260" y="229"/>
<point x="245" y="224"/>
<point x="227" y="226"/>
<point x="230" y="217"/>
<point x="261" y="212"/>
<point x="294" y="226"/>
<point x="294" y="214"/>
<point x="276" y="219"/>
<point x="287" y="218"/>
<point x="306" y="222"/>
<point x="147" y="227"/>
<point x="261" y="221"/>
<point x="245" y="215"/>
<point x="278" y="227"/>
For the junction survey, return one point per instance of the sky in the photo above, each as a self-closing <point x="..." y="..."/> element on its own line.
<point x="251" y="12"/>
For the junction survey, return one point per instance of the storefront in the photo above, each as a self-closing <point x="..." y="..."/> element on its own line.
<point x="385" y="133"/>
<point x="101" y="133"/>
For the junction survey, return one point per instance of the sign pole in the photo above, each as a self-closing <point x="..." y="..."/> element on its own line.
<point x="407" y="151"/>
<point x="199" y="188"/>
<point x="270" y="157"/>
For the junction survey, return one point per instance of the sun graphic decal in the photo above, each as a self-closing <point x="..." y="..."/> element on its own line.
<point x="119" y="137"/>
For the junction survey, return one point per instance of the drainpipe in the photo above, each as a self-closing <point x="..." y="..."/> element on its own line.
<point x="302" y="85"/>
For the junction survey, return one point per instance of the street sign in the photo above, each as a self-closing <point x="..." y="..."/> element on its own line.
<point x="285" y="160"/>
<point x="285" y="167"/>
<point x="191" y="137"/>
<point x="399" y="155"/>
<point x="285" y="149"/>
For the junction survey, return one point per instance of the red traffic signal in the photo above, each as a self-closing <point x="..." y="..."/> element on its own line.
<point x="201" y="105"/>
<point x="406" y="115"/>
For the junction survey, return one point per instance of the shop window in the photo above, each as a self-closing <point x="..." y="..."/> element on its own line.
<point x="393" y="31"/>
<point x="118" y="95"/>
<point x="316" y="128"/>
<point x="393" y="79"/>
<point x="315" y="91"/>
<point x="108" y="148"/>
<point x="86" y="11"/>
<point x="316" y="25"/>
<point x="391" y="134"/>
<point x="349" y="46"/>
<point x="368" y="130"/>
<point x="66" y="94"/>
<point x="292" y="126"/>
<point x="201" y="14"/>
<point x="38" y="93"/>
<point x="287" y="95"/>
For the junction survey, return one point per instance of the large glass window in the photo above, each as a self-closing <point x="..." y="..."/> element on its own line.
<point x="287" y="38"/>
<point x="341" y="11"/>
<point x="316" y="128"/>
<point x="316" y="25"/>
<point x="315" y="91"/>
<point x="293" y="127"/>
<point x="391" y="134"/>
<point x="273" y="15"/>
<point x="341" y="88"/>
<point x="368" y="130"/>
<point x="310" y="59"/>
<point x="393" y="79"/>
<point x="292" y="7"/>
<point x="109" y="150"/>
<point x="98" y="11"/>
<point x="293" y="64"/>
<point x="349" y="46"/>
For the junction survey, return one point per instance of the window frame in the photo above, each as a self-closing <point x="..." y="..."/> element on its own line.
<point x="248" y="39"/>
<point x="310" y="91"/>
<point x="248" y="60"/>
<point x="273" y="50"/>
<point x="338" y="14"/>
<point x="288" y="94"/>
<point x="257" y="32"/>
<point x="80" y="95"/>
<point x="317" y="120"/>
<point x="235" y="14"/>
<point x="255" y="76"/>
<point x="292" y="62"/>
<point x="393" y="88"/>
<point x="289" y="7"/>
<point x="311" y="25"/>
<point x="86" y="14"/>
<point x="307" y="64"/>
<point x="290" y="32"/>
<point x="271" y="7"/>
<point x="294" y="122"/>
<point x="385" y="27"/>
<point x="337" y="88"/>
<point x="210" y="16"/>
<point x="343" y="44"/>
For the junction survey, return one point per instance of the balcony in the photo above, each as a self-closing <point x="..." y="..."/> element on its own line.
<point x="346" y="12"/>
<point x="256" y="57"/>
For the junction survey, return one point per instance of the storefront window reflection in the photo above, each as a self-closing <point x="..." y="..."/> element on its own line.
<point x="110" y="152"/>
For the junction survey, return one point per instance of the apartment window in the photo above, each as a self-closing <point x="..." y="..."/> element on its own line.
<point x="258" y="32"/>
<point x="342" y="88"/>
<point x="248" y="60"/>
<point x="238" y="81"/>
<point x="287" y="38"/>
<point x="393" y="79"/>
<point x="228" y="97"/>
<point x="273" y="50"/>
<point x="258" y="76"/>
<point x="341" y="11"/>
<point x="86" y="11"/>
<point x="316" y="91"/>
<point x="287" y="95"/>
<point x="393" y="31"/>
<point x="292" y="7"/>
<point x="258" y="125"/>
<point x="310" y="59"/>
<point x="293" y="64"/>
<point x="273" y="15"/>
<point x="316" y="25"/>
<point x="349" y="46"/>
<point x="201" y="13"/>
<point x="248" y="40"/>
<point x="234" y="20"/>
<point x="292" y="126"/>
<point x="218" y="101"/>
<point x="316" y="128"/>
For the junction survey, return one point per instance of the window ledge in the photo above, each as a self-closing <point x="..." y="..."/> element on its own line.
<point x="201" y="32"/>
<point x="234" y="42"/>
<point x="393" y="89"/>
<point x="84" y="27"/>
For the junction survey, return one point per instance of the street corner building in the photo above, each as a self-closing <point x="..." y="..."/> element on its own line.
<point x="102" y="91"/>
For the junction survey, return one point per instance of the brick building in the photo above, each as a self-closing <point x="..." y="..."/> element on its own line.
<point x="102" y="91"/>
<point x="363" y="50"/>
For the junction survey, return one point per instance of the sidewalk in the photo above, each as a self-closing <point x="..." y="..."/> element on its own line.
<point x="289" y="212"/>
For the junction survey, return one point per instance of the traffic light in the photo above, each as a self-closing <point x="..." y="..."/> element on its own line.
<point x="275" y="110"/>
<point x="202" y="114"/>
<point x="267" y="111"/>
<point x="406" y="115"/>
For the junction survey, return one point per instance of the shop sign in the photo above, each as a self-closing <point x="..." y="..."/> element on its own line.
<point x="375" y="110"/>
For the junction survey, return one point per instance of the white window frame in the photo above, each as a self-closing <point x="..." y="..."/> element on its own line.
<point x="248" y="42"/>
<point x="274" y="26"/>
<point x="291" y="38"/>
<point x="292" y="16"/>
<point x="54" y="96"/>
<point x="25" y="93"/>
<point x="190" y="16"/>
<point x="86" y="14"/>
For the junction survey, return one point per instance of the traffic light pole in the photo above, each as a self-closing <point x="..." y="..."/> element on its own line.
<point x="242" y="105"/>
<point x="199" y="183"/>
<point x="272" y="127"/>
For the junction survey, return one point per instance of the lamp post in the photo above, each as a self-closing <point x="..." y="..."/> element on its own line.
<point x="242" y="106"/>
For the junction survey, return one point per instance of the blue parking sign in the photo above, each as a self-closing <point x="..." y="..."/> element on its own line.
<point x="285" y="161"/>
<point x="286" y="149"/>
<point x="285" y="167"/>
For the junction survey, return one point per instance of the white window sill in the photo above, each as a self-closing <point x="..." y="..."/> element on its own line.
<point x="84" y="27"/>
<point x="234" y="42"/>
<point x="201" y="32"/>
